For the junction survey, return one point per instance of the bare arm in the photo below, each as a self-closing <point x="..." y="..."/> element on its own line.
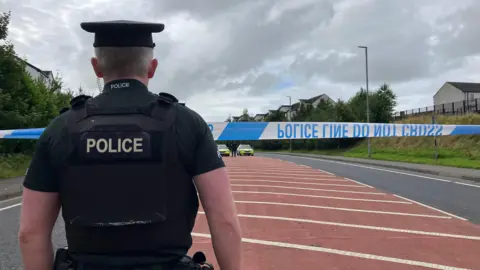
<point x="217" y="201"/>
<point x="38" y="215"/>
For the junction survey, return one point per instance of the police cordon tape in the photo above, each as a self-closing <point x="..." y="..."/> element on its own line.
<point x="231" y="131"/>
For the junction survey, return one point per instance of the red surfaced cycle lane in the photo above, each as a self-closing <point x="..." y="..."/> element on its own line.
<point x="296" y="217"/>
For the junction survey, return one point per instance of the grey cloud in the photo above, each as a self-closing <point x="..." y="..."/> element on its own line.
<point x="241" y="40"/>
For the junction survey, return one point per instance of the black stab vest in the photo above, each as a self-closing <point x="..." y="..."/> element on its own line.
<point x="123" y="188"/>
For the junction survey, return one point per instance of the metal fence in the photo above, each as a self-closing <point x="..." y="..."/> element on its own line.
<point x="452" y="108"/>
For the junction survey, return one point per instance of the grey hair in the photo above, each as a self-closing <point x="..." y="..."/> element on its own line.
<point x="124" y="61"/>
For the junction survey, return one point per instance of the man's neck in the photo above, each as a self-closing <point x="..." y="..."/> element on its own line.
<point x="141" y="79"/>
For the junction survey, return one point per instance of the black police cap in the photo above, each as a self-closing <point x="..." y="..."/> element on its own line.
<point x="123" y="33"/>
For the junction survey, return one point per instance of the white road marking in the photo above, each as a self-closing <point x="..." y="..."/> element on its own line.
<point x="304" y="166"/>
<point x="345" y="209"/>
<point x="255" y="176"/>
<point x="10" y="206"/>
<point x="259" y="169"/>
<point x="428" y="206"/>
<point x="318" y="196"/>
<point x="378" y="169"/>
<point x="280" y="172"/>
<point x="340" y="252"/>
<point x="465" y="184"/>
<point x="357" y="226"/>
<point x="300" y="183"/>
<point x="325" y="172"/>
<point x="312" y="189"/>
<point x="11" y="199"/>
<point x="360" y="183"/>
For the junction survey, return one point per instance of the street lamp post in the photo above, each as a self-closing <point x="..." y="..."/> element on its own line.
<point x="368" y="107"/>
<point x="290" y="117"/>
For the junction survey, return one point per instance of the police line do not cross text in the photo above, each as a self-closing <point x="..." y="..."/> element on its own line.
<point x="353" y="130"/>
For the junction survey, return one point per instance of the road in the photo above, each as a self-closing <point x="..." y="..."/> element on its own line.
<point x="455" y="196"/>
<point x="294" y="216"/>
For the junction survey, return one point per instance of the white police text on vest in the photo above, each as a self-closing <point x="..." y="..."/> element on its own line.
<point x="120" y="85"/>
<point x="120" y="145"/>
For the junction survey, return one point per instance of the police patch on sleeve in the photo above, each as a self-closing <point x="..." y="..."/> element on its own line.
<point x="115" y="145"/>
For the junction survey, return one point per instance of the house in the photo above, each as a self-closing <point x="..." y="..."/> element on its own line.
<point x="36" y="73"/>
<point x="314" y="101"/>
<point x="259" y="116"/>
<point x="455" y="96"/>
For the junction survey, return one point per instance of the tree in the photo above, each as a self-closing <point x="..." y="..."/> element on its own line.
<point x="382" y="105"/>
<point x="24" y="102"/>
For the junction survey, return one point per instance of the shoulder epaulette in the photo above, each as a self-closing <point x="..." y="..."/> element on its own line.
<point x="167" y="98"/>
<point x="79" y="100"/>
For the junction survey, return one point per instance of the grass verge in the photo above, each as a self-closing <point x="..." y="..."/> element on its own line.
<point x="13" y="165"/>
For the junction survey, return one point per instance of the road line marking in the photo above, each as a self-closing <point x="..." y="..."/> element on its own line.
<point x="281" y="173"/>
<point x="313" y="189"/>
<point x="325" y="172"/>
<point x="299" y="178"/>
<point x="10" y="206"/>
<point x="344" y="209"/>
<point x="357" y="226"/>
<point x="11" y="199"/>
<point x="254" y="176"/>
<point x="378" y="169"/>
<point x="465" y="184"/>
<point x="340" y="252"/>
<point x="301" y="183"/>
<point x="428" y="206"/>
<point x="360" y="183"/>
<point x="304" y="166"/>
<point x="318" y="196"/>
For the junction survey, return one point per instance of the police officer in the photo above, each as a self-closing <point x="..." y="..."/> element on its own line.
<point x="125" y="168"/>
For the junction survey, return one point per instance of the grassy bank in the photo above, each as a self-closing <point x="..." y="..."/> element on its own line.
<point x="13" y="165"/>
<point x="456" y="151"/>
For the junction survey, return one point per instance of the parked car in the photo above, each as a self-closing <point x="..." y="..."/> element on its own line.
<point x="223" y="150"/>
<point x="245" y="150"/>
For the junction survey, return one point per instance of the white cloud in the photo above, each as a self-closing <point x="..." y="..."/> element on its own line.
<point x="221" y="56"/>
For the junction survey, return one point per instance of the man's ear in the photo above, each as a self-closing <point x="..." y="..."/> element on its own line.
<point x="96" y="68"/>
<point x="152" y="68"/>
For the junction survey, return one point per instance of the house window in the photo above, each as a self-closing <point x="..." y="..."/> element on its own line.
<point x="472" y="96"/>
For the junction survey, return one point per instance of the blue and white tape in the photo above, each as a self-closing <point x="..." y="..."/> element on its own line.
<point x="231" y="131"/>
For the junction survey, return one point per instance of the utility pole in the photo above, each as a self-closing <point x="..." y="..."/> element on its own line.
<point x="368" y="107"/>
<point x="290" y="117"/>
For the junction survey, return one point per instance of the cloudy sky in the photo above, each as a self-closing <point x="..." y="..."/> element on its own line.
<point x="224" y="55"/>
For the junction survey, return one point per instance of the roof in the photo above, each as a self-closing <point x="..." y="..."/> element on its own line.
<point x="45" y="73"/>
<point x="466" y="87"/>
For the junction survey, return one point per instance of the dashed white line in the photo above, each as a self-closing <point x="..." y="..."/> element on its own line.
<point x="312" y="189"/>
<point x="357" y="226"/>
<point x="340" y="252"/>
<point x="298" y="183"/>
<point x="428" y="206"/>
<point x="322" y="197"/>
<point x="345" y="209"/>
<point x="360" y="183"/>
<point x="10" y="206"/>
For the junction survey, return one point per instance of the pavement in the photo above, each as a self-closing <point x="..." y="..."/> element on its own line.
<point x="446" y="171"/>
<point x="305" y="213"/>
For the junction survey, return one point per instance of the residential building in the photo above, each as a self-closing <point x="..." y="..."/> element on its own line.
<point x="45" y="75"/>
<point x="314" y="101"/>
<point x="454" y="96"/>
<point x="259" y="116"/>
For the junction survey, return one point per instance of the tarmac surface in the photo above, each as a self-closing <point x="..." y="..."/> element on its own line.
<point x="296" y="216"/>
